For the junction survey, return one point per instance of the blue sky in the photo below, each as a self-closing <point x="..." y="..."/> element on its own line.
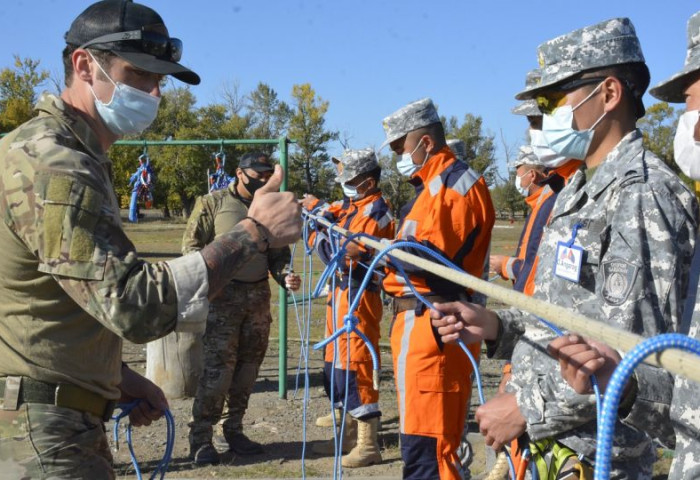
<point x="369" y="57"/>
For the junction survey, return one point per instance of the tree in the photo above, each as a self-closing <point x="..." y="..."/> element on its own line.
<point x="659" y="127"/>
<point x="268" y="116"/>
<point x="310" y="164"/>
<point x="18" y="92"/>
<point x="479" y="147"/>
<point x="506" y="197"/>
<point x="394" y="186"/>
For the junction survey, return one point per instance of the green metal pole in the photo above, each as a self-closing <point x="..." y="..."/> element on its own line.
<point x="283" y="146"/>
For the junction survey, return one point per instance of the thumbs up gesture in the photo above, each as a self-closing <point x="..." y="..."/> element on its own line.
<point x="278" y="212"/>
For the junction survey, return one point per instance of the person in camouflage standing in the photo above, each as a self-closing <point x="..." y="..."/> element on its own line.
<point x="72" y="284"/>
<point x="238" y="327"/>
<point x="617" y="248"/>
<point x="580" y="358"/>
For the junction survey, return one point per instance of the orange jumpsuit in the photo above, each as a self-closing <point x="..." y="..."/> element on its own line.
<point x="453" y="215"/>
<point x="370" y="215"/>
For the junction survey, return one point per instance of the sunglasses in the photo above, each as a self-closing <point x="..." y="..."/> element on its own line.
<point x="152" y="43"/>
<point x="552" y="99"/>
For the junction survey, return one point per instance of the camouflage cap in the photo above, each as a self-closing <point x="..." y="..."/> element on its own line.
<point x="529" y="107"/>
<point x="458" y="148"/>
<point x="413" y="116"/>
<point x="526" y="156"/>
<point x="671" y="90"/>
<point x="612" y="42"/>
<point x="355" y="162"/>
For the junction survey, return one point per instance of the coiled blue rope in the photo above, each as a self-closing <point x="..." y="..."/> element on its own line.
<point x="162" y="466"/>
<point x="616" y="386"/>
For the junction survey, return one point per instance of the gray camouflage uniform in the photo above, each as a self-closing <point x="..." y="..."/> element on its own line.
<point x="638" y="233"/>
<point x="72" y="286"/>
<point x="685" y="406"/>
<point x="238" y="327"/>
<point x="637" y="225"/>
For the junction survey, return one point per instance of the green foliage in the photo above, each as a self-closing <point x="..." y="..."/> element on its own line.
<point x="506" y="198"/>
<point x="480" y="148"/>
<point x="310" y="170"/>
<point x="268" y="116"/>
<point x="18" y="92"/>
<point x="659" y="128"/>
<point x="394" y="185"/>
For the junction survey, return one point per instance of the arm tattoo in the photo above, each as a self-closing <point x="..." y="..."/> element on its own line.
<point x="225" y="255"/>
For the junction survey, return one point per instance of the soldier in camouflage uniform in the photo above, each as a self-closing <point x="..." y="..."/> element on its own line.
<point x="618" y="244"/>
<point x="580" y="358"/>
<point x="72" y="284"/>
<point x="239" y="320"/>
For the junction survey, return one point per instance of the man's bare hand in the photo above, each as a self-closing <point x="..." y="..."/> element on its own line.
<point x="579" y="358"/>
<point x="500" y="420"/>
<point x="309" y="201"/>
<point x="278" y="212"/>
<point x="292" y="281"/>
<point x="153" y="402"/>
<point x="468" y="321"/>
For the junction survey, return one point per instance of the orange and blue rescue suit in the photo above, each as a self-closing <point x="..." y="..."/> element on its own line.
<point x="370" y="215"/>
<point x="451" y="214"/>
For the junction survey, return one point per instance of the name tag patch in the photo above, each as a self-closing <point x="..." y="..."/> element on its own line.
<point x="618" y="278"/>
<point x="567" y="263"/>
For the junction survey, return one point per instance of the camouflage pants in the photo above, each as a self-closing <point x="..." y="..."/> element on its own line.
<point x="49" y="442"/>
<point x="235" y="343"/>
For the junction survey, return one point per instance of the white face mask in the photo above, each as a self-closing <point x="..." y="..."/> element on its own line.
<point x="405" y="164"/>
<point x="546" y="155"/>
<point x="524" y="191"/>
<point x="686" y="150"/>
<point x="350" y="191"/>
<point x="558" y="131"/>
<point x="129" y="111"/>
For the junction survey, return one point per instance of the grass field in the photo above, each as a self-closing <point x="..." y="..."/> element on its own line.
<point x="160" y="240"/>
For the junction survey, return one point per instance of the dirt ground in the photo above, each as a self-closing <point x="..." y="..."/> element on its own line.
<point x="279" y="425"/>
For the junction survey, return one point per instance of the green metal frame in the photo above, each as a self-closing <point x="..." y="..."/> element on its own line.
<point x="283" y="145"/>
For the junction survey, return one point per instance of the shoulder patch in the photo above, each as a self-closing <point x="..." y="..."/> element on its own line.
<point x="618" y="279"/>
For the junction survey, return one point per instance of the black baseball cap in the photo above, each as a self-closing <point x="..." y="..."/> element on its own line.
<point x="257" y="161"/>
<point x="133" y="32"/>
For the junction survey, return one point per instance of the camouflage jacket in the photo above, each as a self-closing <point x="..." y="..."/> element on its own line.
<point x="219" y="212"/>
<point x="72" y="284"/>
<point x="637" y="224"/>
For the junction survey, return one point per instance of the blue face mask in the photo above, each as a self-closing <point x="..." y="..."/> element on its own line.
<point x="129" y="111"/>
<point x="558" y="131"/>
<point x="546" y="155"/>
<point x="405" y="164"/>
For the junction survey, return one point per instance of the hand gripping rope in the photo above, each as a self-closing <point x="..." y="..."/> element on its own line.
<point x="678" y="362"/>
<point x="162" y="466"/>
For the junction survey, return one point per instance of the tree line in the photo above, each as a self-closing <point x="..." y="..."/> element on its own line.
<point x="182" y="170"/>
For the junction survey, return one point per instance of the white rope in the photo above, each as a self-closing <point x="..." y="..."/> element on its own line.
<point x="675" y="361"/>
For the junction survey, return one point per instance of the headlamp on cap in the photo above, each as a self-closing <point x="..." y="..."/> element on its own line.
<point x="152" y="43"/>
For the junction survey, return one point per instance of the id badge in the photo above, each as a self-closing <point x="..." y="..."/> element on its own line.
<point x="567" y="263"/>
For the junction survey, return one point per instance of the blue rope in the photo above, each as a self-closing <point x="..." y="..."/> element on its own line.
<point x="163" y="464"/>
<point x="616" y="386"/>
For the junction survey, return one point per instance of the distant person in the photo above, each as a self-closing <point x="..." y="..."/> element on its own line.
<point x="72" y="285"/>
<point x="238" y="326"/>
